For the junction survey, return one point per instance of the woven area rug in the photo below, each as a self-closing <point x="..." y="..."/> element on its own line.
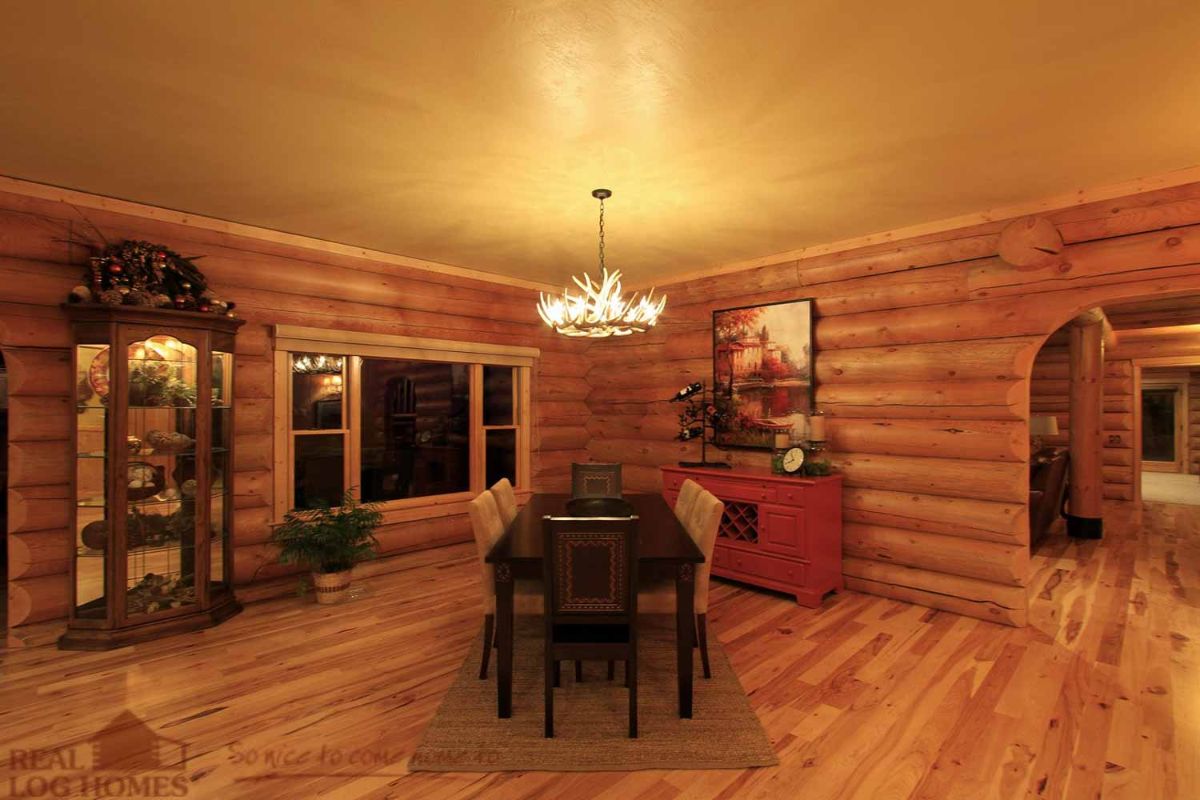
<point x="591" y="718"/>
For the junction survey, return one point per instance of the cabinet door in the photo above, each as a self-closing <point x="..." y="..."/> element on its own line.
<point x="781" y="529"/>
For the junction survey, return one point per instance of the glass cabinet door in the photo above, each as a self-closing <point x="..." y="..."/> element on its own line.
<point x="91" y="488"/>
<point x="160" y="476"/>
<point x="221" y="500"/>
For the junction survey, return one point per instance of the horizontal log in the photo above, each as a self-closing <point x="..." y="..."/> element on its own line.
<point x="1047" y="388"/>
<point x="991" y="359"/>
<point x="983" y="480"/>
<point x="973" y="439"/>
<point x="1117" y="457"/>
<point x="254" y="378"/>
<point x="1078" y="262"/>
<point x="38" y="599"/>
<point x="1118" y="491"/>
<point x="38" y="508"/>
<point x="253" y="416"/>
<point x="633" y="426"/>
<point x="1057" y="370"/>
<point x="642" y="451"/>
<point x="563" y="413"/>
<point x="1118" y="474"/>
<point x="551" y="438"/>
<point x="990" y="561"/>
<point x="39" y="553"/>
<point x="253" y="488"/>
<point x="1042" y="404"/>
<point x="41" y="372"/>
<point x="967" y="596"/>
<point x="955" y="516"/>
<point x="39" y="463"/>
<point x="253" y="452"/>
<point x="38" y="418"/>
<point x="986" y="399"/>
<point x="34" y="326"/>
<point x="561" y="388"/>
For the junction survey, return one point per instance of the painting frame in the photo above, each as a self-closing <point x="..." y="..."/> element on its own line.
<point x="780" y="372"/>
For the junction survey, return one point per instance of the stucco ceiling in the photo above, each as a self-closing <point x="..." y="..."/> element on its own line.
<point x="471" y="133"/>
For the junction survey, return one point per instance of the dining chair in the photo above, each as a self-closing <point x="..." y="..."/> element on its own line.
<point x="702" y="524"/>
<point x="591" y="599"/>
<point x="488" y="526"/>
<point x="595" y="480"/>
<point x="686" y="500"/>
<point x="506" y="499"/>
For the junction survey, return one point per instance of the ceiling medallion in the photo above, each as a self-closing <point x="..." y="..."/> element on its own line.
<point x="600" y="310"/>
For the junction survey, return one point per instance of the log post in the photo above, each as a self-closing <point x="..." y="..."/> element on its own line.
<point x="1087" y="426"/>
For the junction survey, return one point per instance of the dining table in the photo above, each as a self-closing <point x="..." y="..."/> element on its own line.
<point x="664" y="548"/>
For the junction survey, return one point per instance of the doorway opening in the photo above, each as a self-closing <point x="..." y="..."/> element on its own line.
<point x="1170" y="442"/>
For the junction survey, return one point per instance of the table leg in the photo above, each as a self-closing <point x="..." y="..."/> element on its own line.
<point x="504" y="639"/>
<point x="685" y="587"/>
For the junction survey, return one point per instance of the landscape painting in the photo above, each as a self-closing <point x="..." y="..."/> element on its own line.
<point x="762" y="371"/>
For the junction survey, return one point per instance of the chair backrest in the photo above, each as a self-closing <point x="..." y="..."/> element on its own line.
<point x="506" y="499"/>
<point x="595" y="480"/>
<point x="702" y="525"/>
<point x="590" y="564"/>
<point x="488" y="527"/>
<point x="686" y="501"/>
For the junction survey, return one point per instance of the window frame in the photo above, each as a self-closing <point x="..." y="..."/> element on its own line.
<point x="355" y="346"/>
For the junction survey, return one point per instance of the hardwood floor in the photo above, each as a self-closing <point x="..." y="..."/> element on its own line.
<point x="865" y="697"/>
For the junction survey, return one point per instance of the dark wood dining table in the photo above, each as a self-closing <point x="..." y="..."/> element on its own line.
<point x="664" y="548"/>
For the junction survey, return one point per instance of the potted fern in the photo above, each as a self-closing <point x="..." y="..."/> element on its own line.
<point x="330" y="541"/>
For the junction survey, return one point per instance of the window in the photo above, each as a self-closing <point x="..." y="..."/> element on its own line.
<point x="406" y="422"/>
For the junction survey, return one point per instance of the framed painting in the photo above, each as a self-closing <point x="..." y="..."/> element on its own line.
<point x="762" y="371"/>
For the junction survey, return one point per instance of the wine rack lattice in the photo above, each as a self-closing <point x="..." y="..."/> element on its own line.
<point x="739" y="522"/>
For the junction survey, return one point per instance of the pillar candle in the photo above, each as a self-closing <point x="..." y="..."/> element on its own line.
<point x="816" y="428"/>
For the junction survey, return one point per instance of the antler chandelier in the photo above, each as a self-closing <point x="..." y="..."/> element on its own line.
<point x="600" y="310"/>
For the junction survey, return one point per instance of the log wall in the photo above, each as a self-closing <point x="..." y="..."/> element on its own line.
<point x="924" y="351"/>
<point x="273" y="283"/>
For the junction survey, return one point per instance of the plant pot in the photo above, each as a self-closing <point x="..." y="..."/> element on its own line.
<point x="331" y="586"/>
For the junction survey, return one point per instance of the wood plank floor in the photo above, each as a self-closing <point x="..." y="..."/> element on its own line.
<point x="864" y="698"/>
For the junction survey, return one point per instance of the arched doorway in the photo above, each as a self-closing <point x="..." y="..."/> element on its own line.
<point x="1148" y="340"/>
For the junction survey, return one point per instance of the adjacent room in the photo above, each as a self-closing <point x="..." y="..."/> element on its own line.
<point x="636" y="400"/>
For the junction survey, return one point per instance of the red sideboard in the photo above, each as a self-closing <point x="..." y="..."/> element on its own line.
<point x="778" y="532"/>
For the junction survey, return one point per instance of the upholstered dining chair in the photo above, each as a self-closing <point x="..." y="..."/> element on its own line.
<point x="702" y="523"/>
<point x="506" y="499"/>
<point x="595" y="480"/>
<point x="488" y="526"/>
<point x="591" y="591"/>
<point x="686" y="501"/>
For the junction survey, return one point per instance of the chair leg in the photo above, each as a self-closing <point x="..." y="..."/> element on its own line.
<point x="579" y="672"/>
<point x="702" y="631"/>
<point x="557" y="674"/>
<point x="612" y="670"/>
<point x="695" y="634"/>
<point x="631" y="672"/>
<point x="489" y="629"/>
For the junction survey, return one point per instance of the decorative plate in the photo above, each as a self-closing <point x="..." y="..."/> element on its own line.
<point x="98" y="373"/>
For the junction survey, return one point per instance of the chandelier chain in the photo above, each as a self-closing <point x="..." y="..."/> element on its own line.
<point x="601" y="234"/>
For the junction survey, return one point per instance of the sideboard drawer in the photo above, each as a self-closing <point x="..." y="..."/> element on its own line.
<point x="744" y="491"/>
<point x="741" y="561"/>
<point x="792" y="495"/>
